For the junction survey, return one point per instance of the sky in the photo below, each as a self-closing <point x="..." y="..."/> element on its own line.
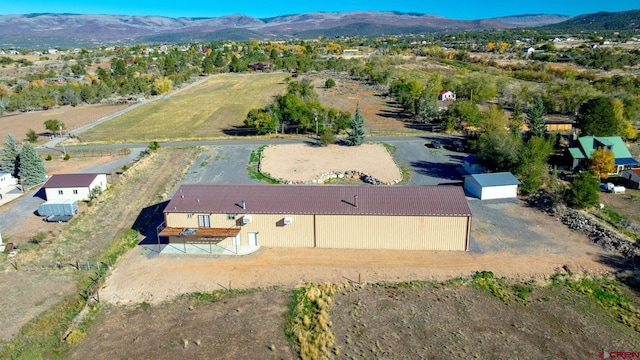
<point x="453" y="9"/>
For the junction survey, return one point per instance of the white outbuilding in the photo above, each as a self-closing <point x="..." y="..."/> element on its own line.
<point x="501" y="185"/>
<point x="74" y="186"/>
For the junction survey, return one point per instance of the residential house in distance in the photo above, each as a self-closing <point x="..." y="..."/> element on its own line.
<point x="73" y="186"/>
<point x="631" y="178"/>
<point x="260" y="66"/>
<point x="312" y="216"/>
<point x="446" y="95"/>
<point x="585" y="146"/>
<point x="559" y="124"/>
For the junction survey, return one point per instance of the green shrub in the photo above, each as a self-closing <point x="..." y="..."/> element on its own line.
<point x="330" y="83"/>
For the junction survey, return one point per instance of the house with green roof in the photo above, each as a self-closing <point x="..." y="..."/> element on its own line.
<point x="586" y="145"/>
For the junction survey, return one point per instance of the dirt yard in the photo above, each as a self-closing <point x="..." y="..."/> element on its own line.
<point x="305" y="162"/>
<point x="381" y="114"/>
<point x="162" y="277"/>
<point x="376" y="320"/>
<point x="73" y="117"/>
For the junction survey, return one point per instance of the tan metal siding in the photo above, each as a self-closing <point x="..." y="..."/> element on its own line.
<point x="392" y="232"/>
<point x="343" y="231"/>
<point x="272" y="232"/>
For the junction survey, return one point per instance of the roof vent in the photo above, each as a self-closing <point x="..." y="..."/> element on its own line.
<point x="198" y="200"/>
<point x="244" y="205"/>
<point x="355" y="200"/>
<point x="182" y="196"/>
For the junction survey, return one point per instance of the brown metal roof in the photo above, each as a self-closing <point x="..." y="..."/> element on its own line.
<point x="320" y="199"/>
<point x="69" y="180"/>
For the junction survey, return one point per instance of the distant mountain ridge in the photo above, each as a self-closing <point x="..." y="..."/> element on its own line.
<point x="65" y="30"/>
<point x="610" y="21"/>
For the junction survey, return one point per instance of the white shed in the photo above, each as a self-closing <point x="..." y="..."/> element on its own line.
<point x="501" y="185"/>
<point x="73" y="186"/>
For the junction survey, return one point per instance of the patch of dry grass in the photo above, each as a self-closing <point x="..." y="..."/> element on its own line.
<point x="202" y="112"/>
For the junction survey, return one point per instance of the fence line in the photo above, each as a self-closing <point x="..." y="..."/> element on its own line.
<point x="91" y="153"/>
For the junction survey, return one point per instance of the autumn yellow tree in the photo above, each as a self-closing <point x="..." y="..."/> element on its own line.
<point x="627" y="131"/>
<point x="491" y="46"/>
<point x="162" y="85"/>
<point x="602" y="163"/>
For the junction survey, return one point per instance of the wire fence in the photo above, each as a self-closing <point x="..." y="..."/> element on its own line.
<point x="90" y="153"/>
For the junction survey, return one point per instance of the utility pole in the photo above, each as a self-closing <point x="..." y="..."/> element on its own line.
<point x="64" y="152"/>
<point x="315" y="115"/>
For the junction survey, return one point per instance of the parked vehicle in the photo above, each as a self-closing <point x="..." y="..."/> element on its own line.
<point x="457" y="145"/>
<point x="436" y="144"/>
<point x="610" y="187"/>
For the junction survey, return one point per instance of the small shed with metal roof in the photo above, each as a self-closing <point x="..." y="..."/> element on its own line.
<point x="502" y="185"/>
<point x="73" y="186"/>
<point x="315" y="216"/>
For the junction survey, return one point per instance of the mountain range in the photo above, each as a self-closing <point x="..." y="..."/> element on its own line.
<point x="67" y="30"/>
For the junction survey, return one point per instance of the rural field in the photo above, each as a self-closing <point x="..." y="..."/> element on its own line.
<point x="213" y="109"/>
<point x="460" y="318"/>
<point x="73" y="117"/>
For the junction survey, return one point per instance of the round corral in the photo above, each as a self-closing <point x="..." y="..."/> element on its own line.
<point x="302" y="163"/>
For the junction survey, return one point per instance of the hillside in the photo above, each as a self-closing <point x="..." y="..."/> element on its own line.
<point x="602" y="21"/>
<point x="68" y="30"/>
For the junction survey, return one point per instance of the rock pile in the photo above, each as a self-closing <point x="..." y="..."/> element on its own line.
<point x="353" y="174"/>
<point x="588" y="225"/>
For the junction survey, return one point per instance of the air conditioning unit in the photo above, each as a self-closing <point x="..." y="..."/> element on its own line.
<point x="247" y="219"/>
<point x="288" y="220"/>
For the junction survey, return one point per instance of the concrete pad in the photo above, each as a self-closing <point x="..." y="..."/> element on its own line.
<point x="202" y="249"/>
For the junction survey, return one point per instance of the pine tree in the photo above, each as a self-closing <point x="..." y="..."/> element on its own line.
<point x="31" y="169"/>
<point x="516" y="119"/>
<point x="535" y="118"/>
<point x="356" y="135"/>
<point x="9" y="160"/>
<point x="585" y="191"/>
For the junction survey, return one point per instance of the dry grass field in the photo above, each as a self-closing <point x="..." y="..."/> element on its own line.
<point x="210" y="110"/>
<point x="73" y="117"/>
